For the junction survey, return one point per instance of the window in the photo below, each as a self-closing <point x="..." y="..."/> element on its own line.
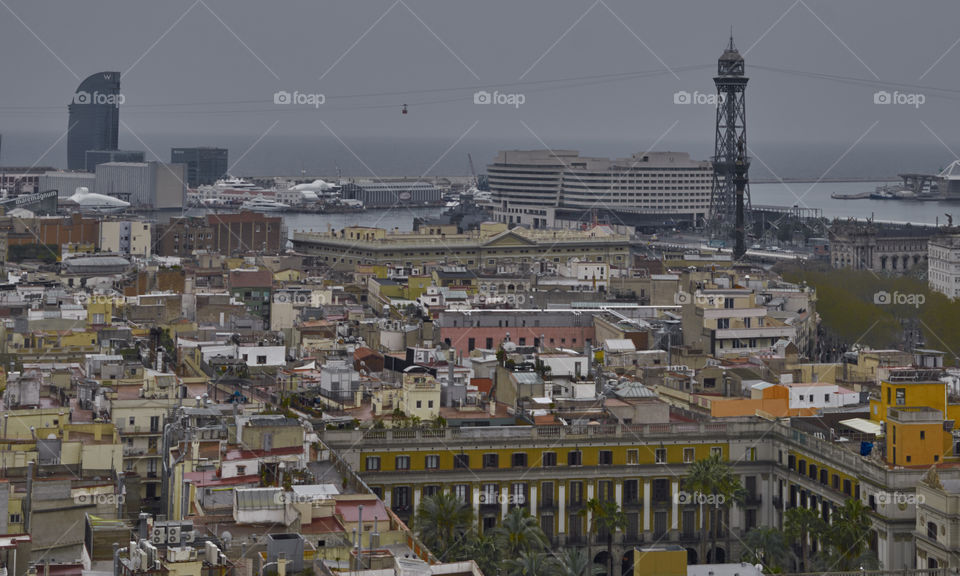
<point x="631" y="491"/>
<point x="133" y="420"/>
<point x="606" y="458"/>
<point x="716" y="451"/>
<point x="661" y="456"/>
<point x="751" y="454"/>
<point x="932" y="530"/>
<point x="431" y="490"/>
<point x="241" y="470"/>
<point x="432" y="462"/>
<point x="901" y="396"/>
<point x="660" y="488"/>
<point x="574" y="458"/>
<point x="688" y="455"/>
<point x="922" y="434"/>
<point x="461" y="491"/>
<point x="403" y="463"/>
<point x="659" y="524"/>
<point x="576" y="493"/>
<point x="723" y="323"/>
<point x="518" y="460"/>
<point x="373" y="463"/>
<point x="546" y="494"/>
<point x="261" y="359"/>
<point x="461" y="460"/>
<point x="419" y="403"/>
<point x="633" y="456"/>
<point x="491" y="461"/>
<point x="549" y="459"/>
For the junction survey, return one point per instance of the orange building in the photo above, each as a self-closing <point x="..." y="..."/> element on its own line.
<point x="918" y="436"/>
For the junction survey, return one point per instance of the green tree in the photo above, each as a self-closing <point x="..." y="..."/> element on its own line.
<point x="530" y="563"/>
<point x="605" y="518"/>
<point x="482" y="549"/>
<point x="848" y="535"/>
<point x="519" y="532"/>
<point x="800" y="525"/>
<point x="575" y="562"/>
<point x="441" y="522"/>
<point x="714" y="482"/>
<point x="766" y="546"/>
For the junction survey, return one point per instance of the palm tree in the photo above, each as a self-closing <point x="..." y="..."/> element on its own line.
<point x="848" y="536"/>
<point x="713" y="482"/>
<point x="530" y="563"/>
<point x="799" y="525"/>
<point x="766" y="546"/>
<point x="483" y="550"/>
<point x="441" y="522"/>
<point x="575" y="562"/>
<point x="519" y="532"/>
<point x="606" y="518"/>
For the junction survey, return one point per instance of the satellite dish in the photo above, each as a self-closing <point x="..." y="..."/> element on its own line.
<point x="227" y="538"/>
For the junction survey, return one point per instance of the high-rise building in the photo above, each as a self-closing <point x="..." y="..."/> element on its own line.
<point x="204" y="165"/>
<point x="94" y="117"/>
<point x="94" y="157"/>
<point x="537" y="188"/>
<point x="146" y="185"/>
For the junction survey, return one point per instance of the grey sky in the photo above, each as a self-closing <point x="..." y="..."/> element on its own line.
<point x="205" y="72"/>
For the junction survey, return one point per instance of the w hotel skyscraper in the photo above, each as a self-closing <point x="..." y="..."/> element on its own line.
<point x="94" y="117"/>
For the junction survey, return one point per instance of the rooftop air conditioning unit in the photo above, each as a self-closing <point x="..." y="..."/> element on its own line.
<point x="159" y="535"/>
<point x="173" y="535"/>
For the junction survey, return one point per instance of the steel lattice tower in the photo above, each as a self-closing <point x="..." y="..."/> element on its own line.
<point x="731" y="135"/>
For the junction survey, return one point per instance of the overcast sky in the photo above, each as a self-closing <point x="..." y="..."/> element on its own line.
<point x="598" y="76"/>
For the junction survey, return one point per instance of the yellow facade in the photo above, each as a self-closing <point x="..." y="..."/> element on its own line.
<point x="659" y="562"/>
<point x="417" y="286"/>
<point x="100" y="309"/>
<point x="910" y="395"/>
<point x="915" y="437"/>
<point x="814" y="469"/>
<point x="420" y="397"/>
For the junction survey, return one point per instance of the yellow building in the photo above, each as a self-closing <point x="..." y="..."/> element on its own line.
<point x="913" y="388"/>
<point x="916" y="437"/>
<point x="660" y="561"/>
<point x="420" y="397"/>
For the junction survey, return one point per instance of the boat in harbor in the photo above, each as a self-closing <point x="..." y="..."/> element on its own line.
<point x="261" y="204"/>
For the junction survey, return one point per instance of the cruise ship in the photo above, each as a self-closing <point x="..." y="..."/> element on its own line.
<point x="542" y="188"/>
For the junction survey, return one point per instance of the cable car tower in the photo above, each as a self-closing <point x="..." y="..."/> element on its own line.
<point x="731" y="139"/>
